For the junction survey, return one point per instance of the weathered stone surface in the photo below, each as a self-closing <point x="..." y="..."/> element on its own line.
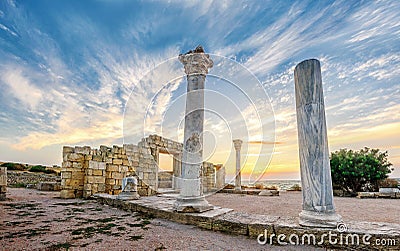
<point x="253" y="225"/>
<point x="318" y="207"/>
<point x="269" y="193"/>
<point x="48" y="186"/>
<point x="3" y="183"/>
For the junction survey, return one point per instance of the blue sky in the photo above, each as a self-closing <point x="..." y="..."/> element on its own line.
<point x="67" y="69"/>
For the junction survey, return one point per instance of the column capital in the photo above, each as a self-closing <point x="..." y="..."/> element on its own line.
<point x="196" y="61"/>
<point x="237" y="144"/>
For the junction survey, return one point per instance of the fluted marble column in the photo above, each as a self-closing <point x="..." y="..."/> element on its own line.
<point x="318" y="208"/>
<point x="191" y="198"/>
<point x="238" y="181"/>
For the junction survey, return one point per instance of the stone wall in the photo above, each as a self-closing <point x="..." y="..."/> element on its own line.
<point x="3" y="182"/>
<point x="18" y="178"/>
<point x="208" y="177"/>
<point x="87" y="171"/>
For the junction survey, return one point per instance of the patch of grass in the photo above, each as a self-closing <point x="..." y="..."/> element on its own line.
<point x="78" y="210"/>
<point x="106" y="220"/>
<point x="77" y="203"/>
<point x="16" y="223"/>
<point x="30" y="206"/>
<point x="135" y="237"/>
<point x="18" y="185"/>
<point x="60" y="246"/>
<point x="88" y="232"/>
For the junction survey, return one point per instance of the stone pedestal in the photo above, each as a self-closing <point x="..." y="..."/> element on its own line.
<point x="238" y="180"/>
<point x="129" y="189"/>
<point x="3" y="183"/>
<point x="191" y="197"/>
<point x="318" y="208"/>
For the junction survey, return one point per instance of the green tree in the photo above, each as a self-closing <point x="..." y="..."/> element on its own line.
<point x="356" y="171"/>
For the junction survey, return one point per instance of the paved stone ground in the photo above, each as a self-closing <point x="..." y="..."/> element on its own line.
<point x="36" y="220"/>
<point x="289" y="204"/>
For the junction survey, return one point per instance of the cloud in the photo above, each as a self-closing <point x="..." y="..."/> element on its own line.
<point x="21" y="88"/>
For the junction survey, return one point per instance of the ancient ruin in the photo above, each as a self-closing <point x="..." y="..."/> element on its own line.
<point x="238" y="179"/>
<point x="86" y="171"/>
<point x="318" y="208"/>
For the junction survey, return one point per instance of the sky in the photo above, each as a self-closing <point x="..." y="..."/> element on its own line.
<point x="106" y="72"/>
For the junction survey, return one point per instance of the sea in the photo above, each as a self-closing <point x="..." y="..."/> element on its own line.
<point x="281" y="184"/>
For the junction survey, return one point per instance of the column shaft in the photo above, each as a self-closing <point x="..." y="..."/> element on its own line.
<point x="318" y="207"/>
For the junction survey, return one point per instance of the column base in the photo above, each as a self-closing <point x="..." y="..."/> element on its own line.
<point x="319" y="219"/>
<point x="192" y="205"/>
<point x="128" y="196"/>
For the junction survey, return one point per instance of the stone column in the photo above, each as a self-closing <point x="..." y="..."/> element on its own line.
<point x="238" y="181"/>
<point x="191" y="198"/>
<point x="318" y="209"/>
<point x="220" y="176"/>
<point x="177" y="171"/>
<point x="3" y="183"/>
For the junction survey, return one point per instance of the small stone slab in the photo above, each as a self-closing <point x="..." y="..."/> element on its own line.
<point x="269" y="193"/>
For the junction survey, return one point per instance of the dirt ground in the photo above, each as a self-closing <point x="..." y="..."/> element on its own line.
<point x="36" y="220"/>
<point x="290" y="204"/>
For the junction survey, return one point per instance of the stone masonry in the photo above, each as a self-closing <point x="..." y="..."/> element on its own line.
<point x="86" y="171"/>
<point x="3" y="182"/>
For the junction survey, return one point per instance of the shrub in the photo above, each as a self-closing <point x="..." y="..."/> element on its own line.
<point x="356" y="171"/>
<point x="14" y="166"/>
<point x="42" y="169"/>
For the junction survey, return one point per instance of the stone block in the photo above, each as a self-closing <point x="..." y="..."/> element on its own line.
<point x="125" y="162"/>
<point x="82" y="149"/>
<point x="109" y="160"/>
<point x="99" y="179"/>
<point x="88" y="157"/>
<point x="123" y="169"/>
<point x="110" y="181"/>
<point x="77" y="175"/>
<point x="67" y="149"/>
<point x="48" y="186"/>
<point x="75" y="157"/>
<point x="66" y="164"/>
<point x="117" y="161"/>
<point x="112" y="168"/>
<point x="363" y="195"/>
<point x="73" y="182"/>
<point x="98" y="158"/>
<point x="3" y="189"/>
<point x="87" y="193"/>
<point x="269" y="193"/>
<point x="101" y="188"/>
<point x="67" y="194"/>
<point x="87" y="186"/>
<point x="77" y="165"/>
<point x="117" y="175"/>
<point x="97" y="172"/>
